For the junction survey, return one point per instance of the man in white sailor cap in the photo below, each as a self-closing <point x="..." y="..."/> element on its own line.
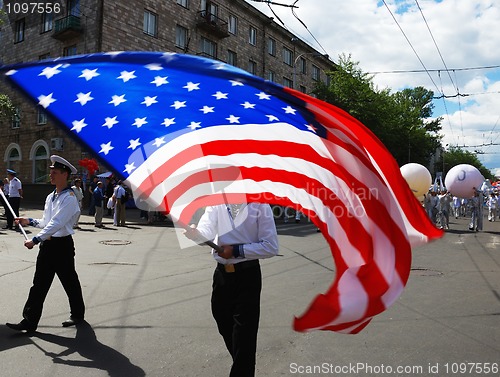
<point x="57" y="252"/>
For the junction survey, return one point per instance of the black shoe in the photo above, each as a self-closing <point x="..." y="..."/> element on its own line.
<point x="71" y="321"/>
<point x="7" y="227"/>
<point x="24" y="325"/>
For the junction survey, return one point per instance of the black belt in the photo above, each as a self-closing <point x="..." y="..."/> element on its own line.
<point x="230" y="268"/>
<point x="52" y="238"/>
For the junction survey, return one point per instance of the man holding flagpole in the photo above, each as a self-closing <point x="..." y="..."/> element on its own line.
<point x="57" y="251"/>
<point x="246" y="233"/>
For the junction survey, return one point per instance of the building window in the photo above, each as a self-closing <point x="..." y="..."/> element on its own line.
<point x="252" y="36"/>
<point x="19" y="30"/>
<point x="183" y="3"/>
<point x="252" y="67"/>
<point x="208" y="48"/>
<point x="315" y="73"/>
<point x="271" y="46"/>
<point x="150" y="23"/>
<point x="16" y="118"/>
<point x="302" y="66"/>
<point x="287" y="56"/>
<point x="233" y="24"/>
<point x="181" y="37"/>
<point x="41" y="117"/>
<point x="44" y="56"/>
<point x="69" y="51"/>
<point x="287" y="82"/>
<point x="40" y="165"/>
<point x="232" y="58"/>
<point x="47" y="22"/>
<point x="209" y="10"/>
<point x="74" y="8"/>
<point x="14" y="157"/>
<point x="271" y="76"/>
<point x="303" y="89"/>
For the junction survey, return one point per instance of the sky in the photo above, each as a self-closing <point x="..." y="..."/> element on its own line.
<point x="448" y="46"/>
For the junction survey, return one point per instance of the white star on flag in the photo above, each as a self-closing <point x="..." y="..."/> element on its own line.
<point x="89" y="74"/>
<point x="129" y="168"/>
<point x="168" y="121"/>
<point x="190" y="86"/>
<point x="116" y="100"/>
<point x="110" y="122"/>
<point x="207" y="109"/>
<point x="105" y="148"/>
<point x="49" y="72"/>
<point x="83" y="98"/>
<point x="133" y="144"/>
<point x="220" y="95"/>
<point x="139" y="122"/>
<point x="289" y="110"/>
<point x="194" y="125"/>
<point x="148" y="101"/>
<point x="159" y="141"/>
<point x="45" y="101"/>
<point x="233" y="119"/>
<point x="159" y="81"/>
<point x="78" y="125"/>
<point x="154" y="67"/>
<point x="248" y="105"/>
<point x="126" y="76"/>
<point x="263" y="95"/>
<point x="178" y="104"/>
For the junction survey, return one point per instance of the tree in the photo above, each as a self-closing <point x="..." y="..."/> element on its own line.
<point x="456" y="156"/>
<point x="7" y="109"/>
<point x="399" y="120"/>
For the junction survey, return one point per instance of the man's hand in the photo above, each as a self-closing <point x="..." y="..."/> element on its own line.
<point x="22" y="221"/>
<point x="29" y="244"/>
<point x="227" y="252"/>
<point x="192" y="233"/>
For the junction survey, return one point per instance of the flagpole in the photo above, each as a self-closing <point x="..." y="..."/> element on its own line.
<point x="13" y="214"/>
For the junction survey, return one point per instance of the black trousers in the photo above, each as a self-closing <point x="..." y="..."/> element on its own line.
<point x="15" y="202"/>
<point x="236" y="309"/>
<point x="56" y="257"/>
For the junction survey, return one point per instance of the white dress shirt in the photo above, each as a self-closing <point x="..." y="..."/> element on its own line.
<point x="253" y="227"/>
<point x="59" y="215"/>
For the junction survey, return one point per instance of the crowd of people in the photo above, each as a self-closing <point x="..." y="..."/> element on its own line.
<point x="439" y="204"/>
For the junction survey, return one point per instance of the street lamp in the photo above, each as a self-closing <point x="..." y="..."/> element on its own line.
<point x="315" y="54"/>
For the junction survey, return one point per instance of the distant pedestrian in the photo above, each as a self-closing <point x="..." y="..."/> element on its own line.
<point x="15" y="196"/>
<point x="108" y="192"/>
<point x="492" y="203"/>
<point x="91" y="189"/>
<point x="120" y="201"/>
<point x="77" y="189"/>
<point x="99" y="204"/>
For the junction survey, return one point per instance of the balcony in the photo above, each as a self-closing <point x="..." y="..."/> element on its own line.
<point x="212" y="24"/>
<point x="67" y="28"/>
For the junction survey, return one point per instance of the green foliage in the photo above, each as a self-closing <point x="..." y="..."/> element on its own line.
<point x="399" y="120"/>
<point x="7" y="109"/>
<point x="456" y="156"/>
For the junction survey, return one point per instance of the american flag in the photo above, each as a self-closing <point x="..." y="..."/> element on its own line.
<point x="187" y="132"/>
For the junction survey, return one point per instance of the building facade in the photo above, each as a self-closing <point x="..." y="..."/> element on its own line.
<point x="232" y="31"/>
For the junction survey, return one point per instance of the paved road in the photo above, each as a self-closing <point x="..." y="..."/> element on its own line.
<point x="148" y="309"/>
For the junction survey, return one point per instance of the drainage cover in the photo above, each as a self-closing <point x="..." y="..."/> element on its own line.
<point x="115" y="242"/>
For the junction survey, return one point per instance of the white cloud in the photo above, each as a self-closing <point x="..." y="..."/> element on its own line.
<point x="466" y="33"/>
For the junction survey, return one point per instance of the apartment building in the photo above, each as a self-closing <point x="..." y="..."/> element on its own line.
<point x="232" y="31"/>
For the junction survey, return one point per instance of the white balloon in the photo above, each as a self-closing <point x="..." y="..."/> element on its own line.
<point x="462" y="179"/>
<point x="418" y="178"/>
